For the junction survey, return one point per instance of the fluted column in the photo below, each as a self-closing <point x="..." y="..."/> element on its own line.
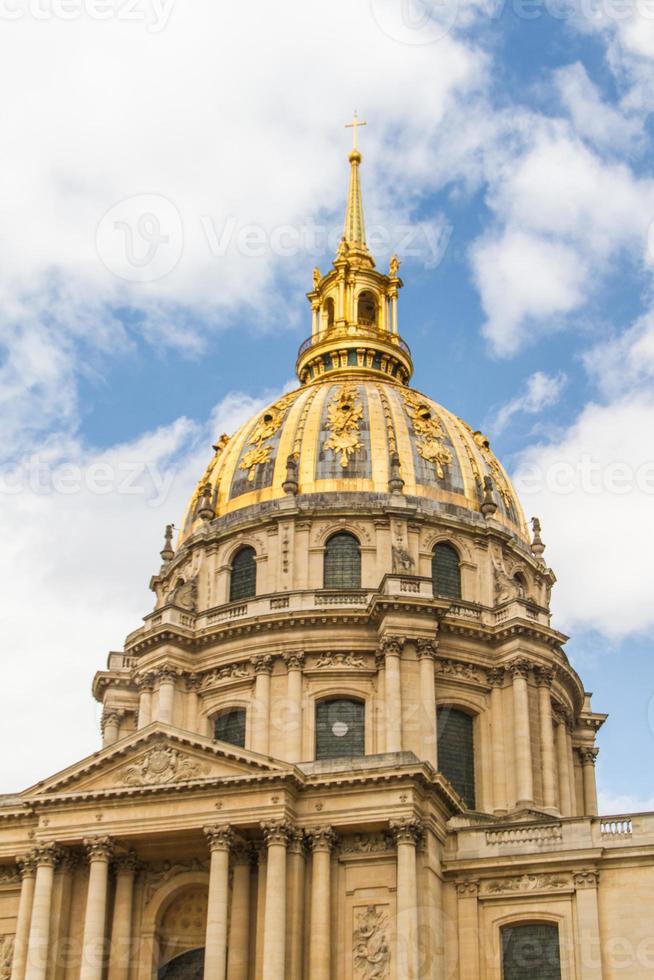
<point x="588" y="757"/>
<point x="99" y="851"/>
<point x="61" y="941"/>
<point x="392" y="650"/>
<point x="145" y="685"/>
<point x="522" y="734"/>
<point x="498" y="752"/>
<point x="193" y="683"/>
<point x="563" y="763"/>
<point x="588" y="928"/>
<point x="166" y="706"/>
<point x="110" y="727"/>
<point x="261" y="707"/>
<point x="426" y="650"/>
<point x="295" y="872"/>
<point x="220" y="839"/>
<point x="46" y="857"/>
<point x="544" y="678"/>
<point x="407" y="833"/>
<point x="321" y="842"/>
<point x="238" y="948"/>
<point x="294" y="665"/>
<point x="27" y="870"/>
<point x="126" y="867"/>
<point x="274" y="937"/>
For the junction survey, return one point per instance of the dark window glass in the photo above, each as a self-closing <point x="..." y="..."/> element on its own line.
<point x="243" y="582"/>
<point x="530" y="951"/>
<point x="342" y="562"/>
<point x="230" y="727"/>
<point x="339" y="729"/>
<point x="445" y="572"/>
<point x="187" y="966"/>
<point x="456" y="752"/>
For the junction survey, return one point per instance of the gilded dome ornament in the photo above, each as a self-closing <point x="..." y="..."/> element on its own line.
<point x="429" y="431"/>
<point x="264" y="430"/>
<point x="344" y="415"/>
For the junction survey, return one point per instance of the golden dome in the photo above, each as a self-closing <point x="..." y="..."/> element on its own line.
<point x="345" y="434"/>
<point x="355" y="425"/>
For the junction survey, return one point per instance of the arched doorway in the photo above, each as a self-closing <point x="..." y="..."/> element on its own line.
<point x="181" y="934"/>
<point x="186" y="966"/>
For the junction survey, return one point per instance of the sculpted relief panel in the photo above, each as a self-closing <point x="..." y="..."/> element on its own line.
<point x="371" y="945"/>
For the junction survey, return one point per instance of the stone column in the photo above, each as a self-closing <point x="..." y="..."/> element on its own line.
<point x="574" y="806"/>
<point x="321" y="842"/>
<point x="27" y="870"/>
<point x="294" y="665"/>
<point x="563" y="761"/>
<point x="544" y="678"/>
<point x="110" y="727"/>
<point x="295" y="905"/>
<point x="45" y="857"/>
<point x="392" y="649"/>
<point x="238" y="948"/>
<point x="498" y="753"/>
<point x="166" y="707"/>
<point x="61" y="942"/>
<point x="221" y="839"/>
<point x="100" y="852"/>
<point x="261" y="707"/>
<point x="588" y="929"/>
<point x="145" y="701"/>
<point x="522" y="734"/>
<point x="467" y="893"/>
<point x="426" y="650"/>
<point x="274" y="936"/>
<point x="588" y="756"/>
<point x="193" y="683"/>
<point x="407" y="833"/>
<point x="126" y="867"/>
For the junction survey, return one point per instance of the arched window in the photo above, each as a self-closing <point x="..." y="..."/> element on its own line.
<point x="445" y="571"/>
<point x="456" y="751"/>
<point x="342" y="563"/>
<point x="339" y="728"/>
<point x="187" y="966"/>
<point x="329" y="311"/>
<point x="243" y="581"/>
<point x="229" y="727"/>
<point x="529" y="950"/>
<point x="367" y="309"/>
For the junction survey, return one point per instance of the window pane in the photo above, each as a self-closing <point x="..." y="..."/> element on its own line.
<point x="230" y="727"/>
<point x="339" y="729"/>
<point x="531" y="951"/>
<point x="445" y="572"/>
<point x="342" y="563"/>
<point x="456" y="754"/>
<point x="243" y="581"/>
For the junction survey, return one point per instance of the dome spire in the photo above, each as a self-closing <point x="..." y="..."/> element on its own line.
<point x="354" y="231"/>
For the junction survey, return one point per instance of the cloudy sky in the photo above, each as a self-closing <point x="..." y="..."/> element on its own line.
<point x="171" y="172"/>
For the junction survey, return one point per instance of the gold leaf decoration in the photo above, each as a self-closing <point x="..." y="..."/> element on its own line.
<point x="344" y="415"/>
<point x="496" y="472"/>
<point x="264" y="430"/>
<point x="428" y="429"/>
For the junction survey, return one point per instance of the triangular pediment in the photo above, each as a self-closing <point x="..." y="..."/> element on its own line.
<point x="155" y="757"/>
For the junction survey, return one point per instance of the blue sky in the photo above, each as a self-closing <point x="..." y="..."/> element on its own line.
<point x="507" y="158"/>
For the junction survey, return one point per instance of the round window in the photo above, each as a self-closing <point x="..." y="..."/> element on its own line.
<point x="340" y="728"/>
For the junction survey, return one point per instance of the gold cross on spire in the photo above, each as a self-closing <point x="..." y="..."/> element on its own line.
<point x="354" y="125"/>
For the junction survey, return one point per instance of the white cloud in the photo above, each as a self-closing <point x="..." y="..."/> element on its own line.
<point x="611" y="804"/>
<point x="626" y="362"/>
<point x="80" y="541"/>
<point x="540" y="391"/>
<point x="603" y="125"/>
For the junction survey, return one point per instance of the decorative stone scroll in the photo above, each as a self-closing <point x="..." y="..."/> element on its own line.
<point x="160" y="766"/>
<point x="588" y="878"/>
<point x="371" y="953"/>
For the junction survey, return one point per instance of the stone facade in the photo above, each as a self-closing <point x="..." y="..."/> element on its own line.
<point x="169" y="850"/>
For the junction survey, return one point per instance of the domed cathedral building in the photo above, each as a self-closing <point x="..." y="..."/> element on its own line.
<point x="346" y="743"/>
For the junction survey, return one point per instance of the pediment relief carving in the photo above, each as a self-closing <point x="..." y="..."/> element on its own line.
<point x="161" y="765"/>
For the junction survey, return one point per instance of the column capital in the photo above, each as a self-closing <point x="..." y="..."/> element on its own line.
<point x="496" y="676"/>
<point x="562" y="715"/>
<point x="321" y="839"/>
<point x="193" y="682"/>
<point x="145" y="682"/>
<point x="294" y="661"/>
<point x="587" y="878"/>
<point x="99" y="848"/>
<point x="467" y="889"/>
<point x="127" y="863"/>
<point x="519" y="667"/>
<point x="407" y="830"/>
<point x="297" y="841"/>
<point x="426" y="649"/>
<point x="69" y="860"/>
<point x="544" y="676"/>
<point x="110" y="716"/>
<point x="166" y="675"/>
<point x="262" y="665"/>
<point x="588" y="755"/>
<point x="220" y="837"/>
<point x="392" y="646"/>
<point x="277" y="832"/>
<point x="244" y="853"/>
<point x="46" y="855"/>
<point x="26" y="865"/>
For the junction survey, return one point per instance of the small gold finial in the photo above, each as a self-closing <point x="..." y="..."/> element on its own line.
<point x="354" y="126"/>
